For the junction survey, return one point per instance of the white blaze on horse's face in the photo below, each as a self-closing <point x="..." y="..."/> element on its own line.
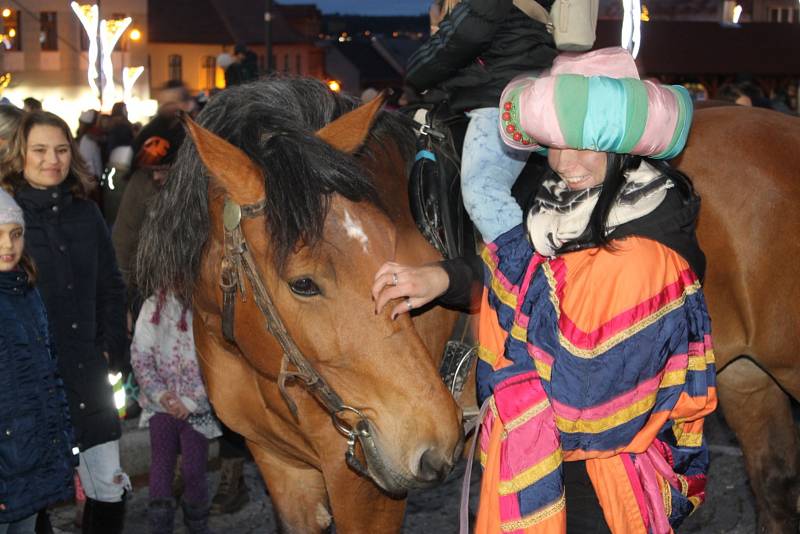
<point x="355" y="231"/>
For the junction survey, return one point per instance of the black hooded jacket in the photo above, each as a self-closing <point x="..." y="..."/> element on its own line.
<point x="480" y="47"/>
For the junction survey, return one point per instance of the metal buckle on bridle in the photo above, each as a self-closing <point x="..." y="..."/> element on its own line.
<point x="425" y="129"/>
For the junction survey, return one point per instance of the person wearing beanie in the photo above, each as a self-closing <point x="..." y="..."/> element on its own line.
<point x="83" y="294"/>
<point x="596" y="366"/>
<point x="37" y="445"/>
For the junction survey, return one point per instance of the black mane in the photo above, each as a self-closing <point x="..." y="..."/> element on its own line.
<point x="273" y="121"/>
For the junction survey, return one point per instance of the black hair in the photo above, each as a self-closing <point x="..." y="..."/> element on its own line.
<point x="617" y="167"/>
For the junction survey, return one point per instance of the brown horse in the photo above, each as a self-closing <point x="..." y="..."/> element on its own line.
<point x="745" y="164"/>
<point x="317" y="191"/>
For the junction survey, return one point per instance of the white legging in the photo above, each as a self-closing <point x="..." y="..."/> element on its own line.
<point x="101" y="475"/>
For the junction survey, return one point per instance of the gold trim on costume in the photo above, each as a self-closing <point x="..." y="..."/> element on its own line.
<point x="595" y="426"/>
<point x="527" y="415"/>
<point x="546" y="466"/>
<point x="620" y="336"/>
<point x="536" y="517"/>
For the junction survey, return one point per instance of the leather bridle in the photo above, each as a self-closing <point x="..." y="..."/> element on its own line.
<point x="238" y="265"/>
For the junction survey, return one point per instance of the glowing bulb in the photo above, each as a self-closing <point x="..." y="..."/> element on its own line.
<point x="88" y="14"/>
<point x="135" y="34"/>
<point x="110" y="32"/>
<point x="12" y="33"/>
<point x="334" y="86"/>
<point x="737" y="12"/>
<point x="6" y="13"/>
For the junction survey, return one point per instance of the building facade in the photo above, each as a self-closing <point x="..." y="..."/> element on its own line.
<point x="45" y="50"/>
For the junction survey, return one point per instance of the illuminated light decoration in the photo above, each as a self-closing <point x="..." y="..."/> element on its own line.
<point x="110" y="32"/>
<point x="334" y="86"/>
<point x="119" y="393"/>
<point x="632" y="26"/>
<point x="129" y="77"/>
<point x="5" y="79"/>
<point x="737" y="13"/>
<point x="89" y="16"/>
<point x="645" y="14"/>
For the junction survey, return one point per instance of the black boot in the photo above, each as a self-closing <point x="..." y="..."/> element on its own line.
<point x="195" y="517"/>
<point x="103" y="517"/>
<point x="161" y="516"/>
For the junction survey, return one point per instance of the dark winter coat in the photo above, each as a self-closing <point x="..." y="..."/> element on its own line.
<point x="480" y="47"/>
<point x="36" y="459"/>
<point x="84" y="296"/>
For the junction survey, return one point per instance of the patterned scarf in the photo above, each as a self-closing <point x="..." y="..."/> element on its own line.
<point x="560" y="215"/>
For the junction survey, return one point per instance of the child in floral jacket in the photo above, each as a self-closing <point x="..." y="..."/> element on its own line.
<point x="176" y="408"/>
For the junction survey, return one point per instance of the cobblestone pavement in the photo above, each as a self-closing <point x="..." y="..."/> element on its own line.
<point x="729" y="508"/>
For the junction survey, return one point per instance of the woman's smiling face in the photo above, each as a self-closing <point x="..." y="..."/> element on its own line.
<point x="47" y="156"/>
<point x="580" y="169"/>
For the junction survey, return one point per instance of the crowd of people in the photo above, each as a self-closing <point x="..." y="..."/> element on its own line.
<point x="67" y="289"/>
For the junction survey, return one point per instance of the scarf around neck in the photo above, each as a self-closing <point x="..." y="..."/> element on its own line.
<point x="560" y="215"/>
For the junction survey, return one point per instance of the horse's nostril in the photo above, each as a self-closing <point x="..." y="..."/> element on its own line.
<point x="433" y="466"/>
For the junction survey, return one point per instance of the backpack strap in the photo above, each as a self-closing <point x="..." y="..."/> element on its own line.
<point x="534" y="10"/>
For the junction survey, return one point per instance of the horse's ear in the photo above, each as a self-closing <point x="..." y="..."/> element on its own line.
<point x="228" y="165"/>
<point x="348" y="132"/>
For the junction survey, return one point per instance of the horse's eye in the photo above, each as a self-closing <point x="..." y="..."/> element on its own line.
<point x="305" y="287"/>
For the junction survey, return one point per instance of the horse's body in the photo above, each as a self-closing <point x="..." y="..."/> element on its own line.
<point x="745" y="163"/>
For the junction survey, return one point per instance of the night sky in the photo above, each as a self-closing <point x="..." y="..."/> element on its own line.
<point x="367" y="7"/>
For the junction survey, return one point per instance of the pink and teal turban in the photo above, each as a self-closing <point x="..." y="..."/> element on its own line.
<point x="596" y="101"/>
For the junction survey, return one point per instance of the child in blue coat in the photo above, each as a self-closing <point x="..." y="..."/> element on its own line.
<point x="36" y="438"/>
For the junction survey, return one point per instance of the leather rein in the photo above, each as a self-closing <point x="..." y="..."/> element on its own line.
<point x="238" y="265"/>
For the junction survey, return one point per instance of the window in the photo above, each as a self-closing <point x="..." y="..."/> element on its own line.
<point x="210" y="72"/>
<point x="298" y="64"/>
<point x="175" y="68"/>
<point x="285" y="63"/>
<point x="48" y="30"/>
<point x="10" y="30"/>
<point x="784" y="14"/>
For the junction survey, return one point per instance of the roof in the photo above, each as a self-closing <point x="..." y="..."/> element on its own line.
<point x="696" y="48"/>
<point x="218" y="22"/>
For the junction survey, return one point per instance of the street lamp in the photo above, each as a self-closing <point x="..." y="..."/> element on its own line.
<point x="89" y="16"/>
<point x="129" y="77"/>
<point x="6" y="13"/>
<point x="334" y="86"/>
<point x="632" y="26"/>
<point x="110" y="32"/>
<point x="135" y="35"/>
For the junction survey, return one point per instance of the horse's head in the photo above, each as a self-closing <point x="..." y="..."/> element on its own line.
<point x="315" y="239"/>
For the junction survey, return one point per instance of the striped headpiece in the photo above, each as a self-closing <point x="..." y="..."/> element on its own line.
<point x="596" y="101"/>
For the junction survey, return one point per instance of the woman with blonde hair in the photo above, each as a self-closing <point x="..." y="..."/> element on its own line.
<point x="84" y="296"/>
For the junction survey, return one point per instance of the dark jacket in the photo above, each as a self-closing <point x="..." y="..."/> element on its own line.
<point x="480" y="47"/>
<point x="36" y="459"/>
<point x="84" y="295"/>
<point x="138" y="195"/>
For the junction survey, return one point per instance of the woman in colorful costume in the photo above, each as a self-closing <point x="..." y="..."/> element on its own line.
<point x="595" y="354"/>
<point x="596" y="367"/>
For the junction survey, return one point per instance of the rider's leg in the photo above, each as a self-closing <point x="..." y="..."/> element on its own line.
<point x="488" y="170"/>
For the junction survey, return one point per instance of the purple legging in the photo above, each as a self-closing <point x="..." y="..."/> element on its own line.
<point x="169" y="437"/>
